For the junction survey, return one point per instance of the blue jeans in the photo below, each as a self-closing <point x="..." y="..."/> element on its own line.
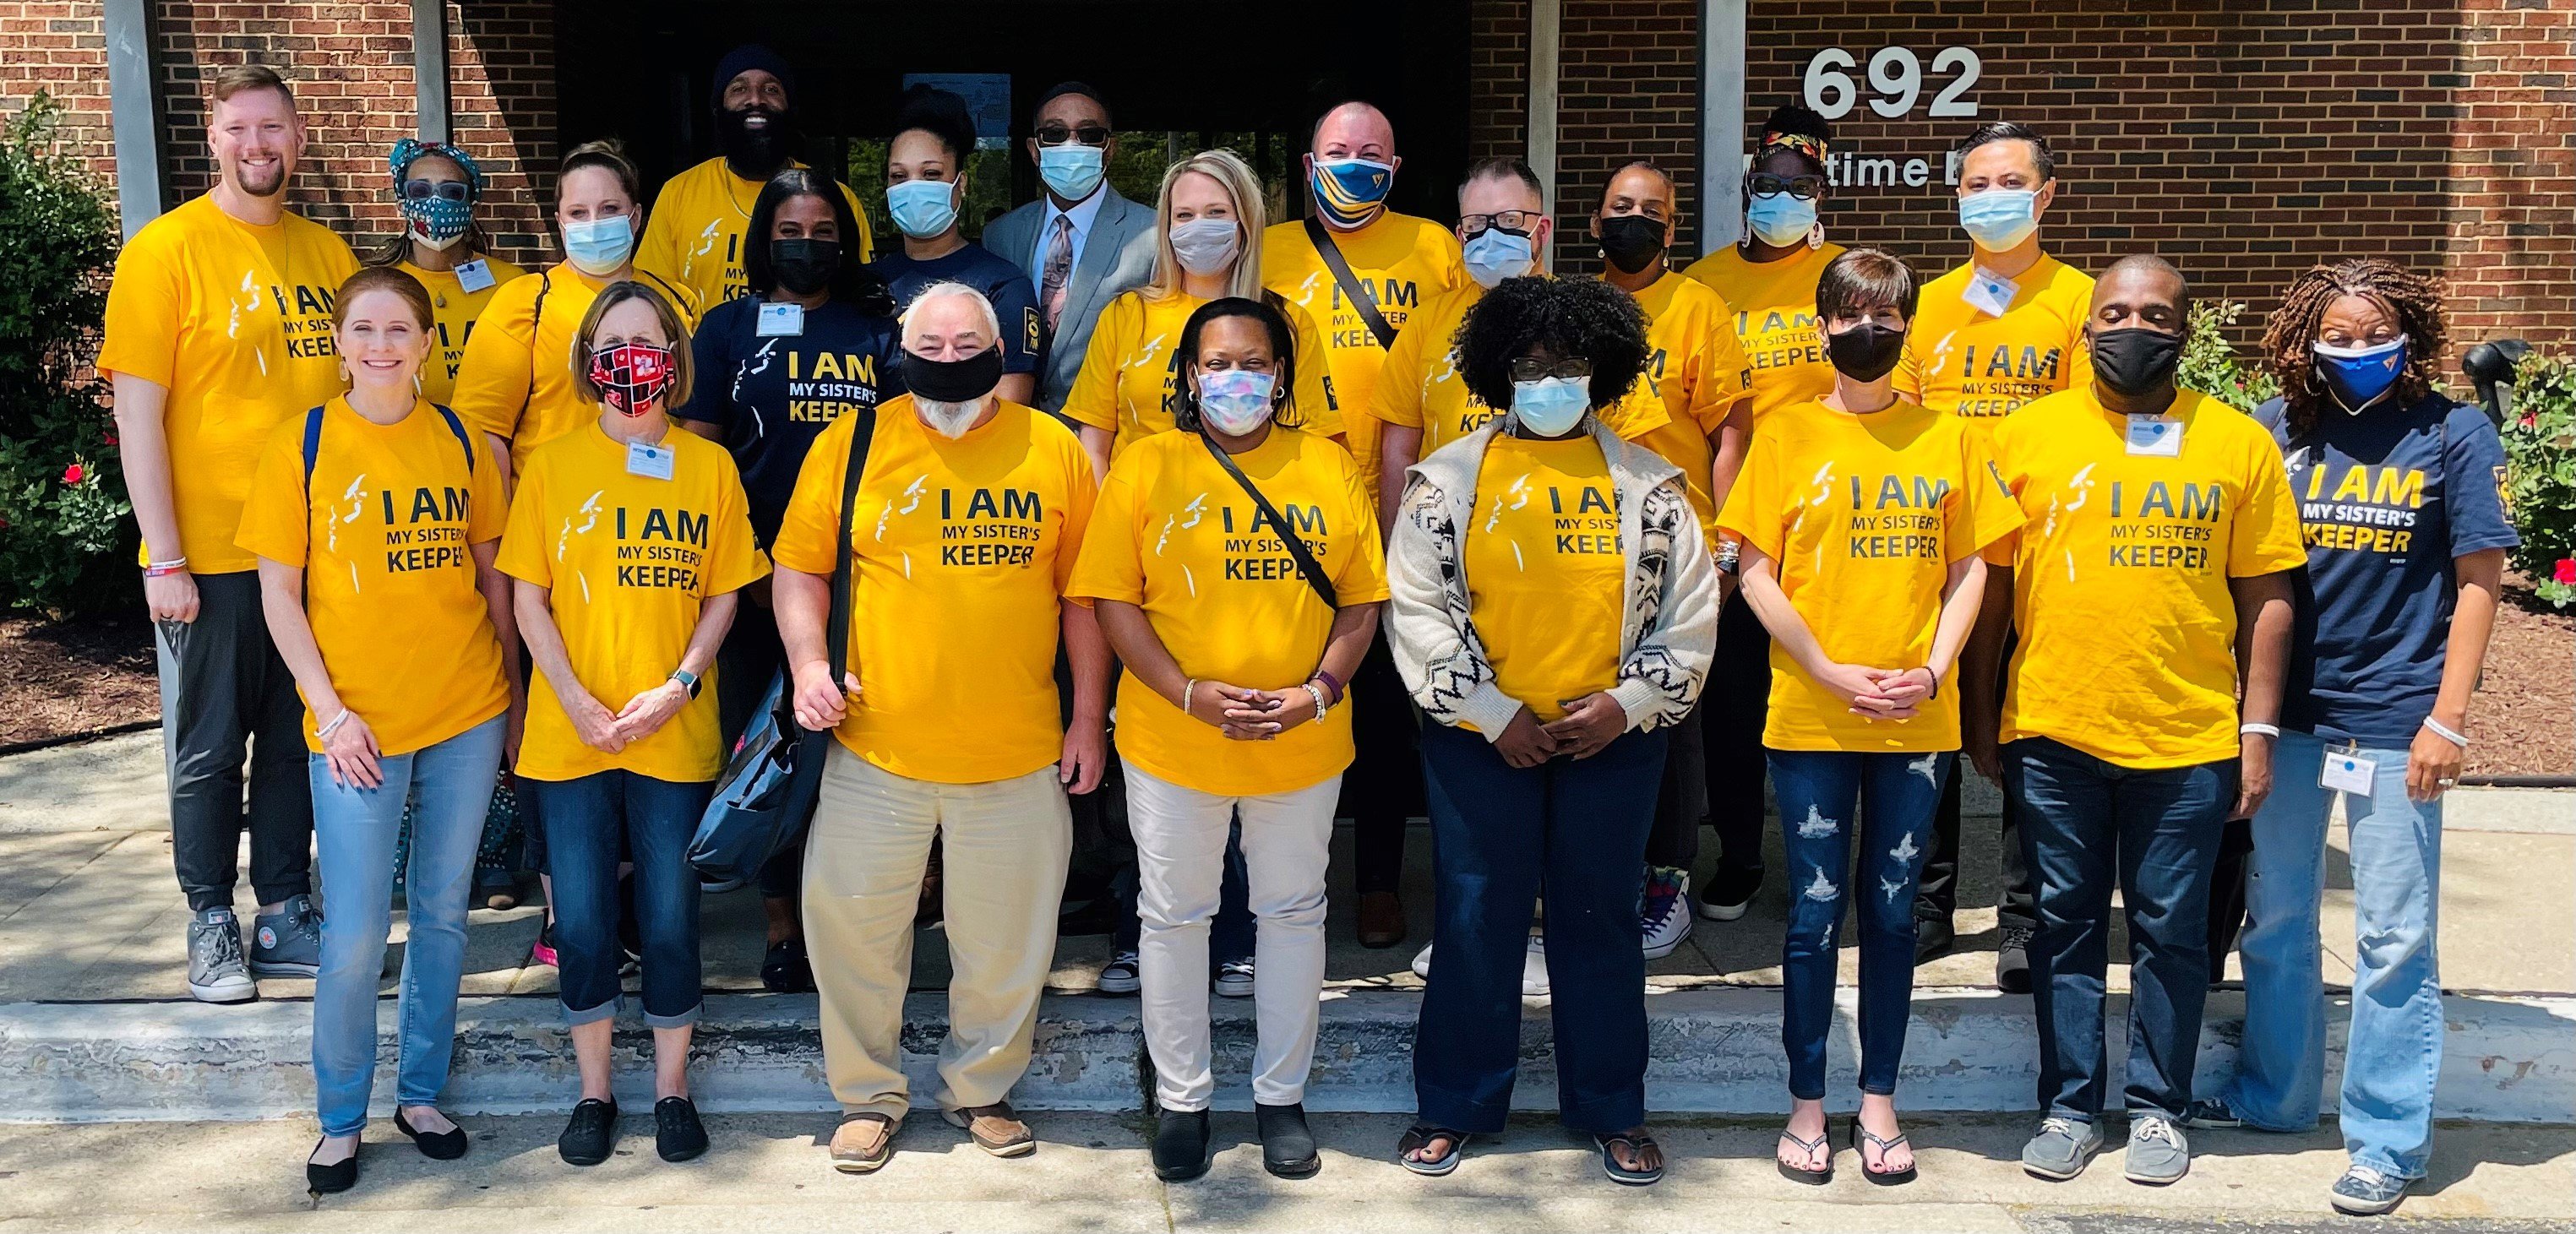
<point x="2396" y="1047"/>
<point x="354" y="831"/>
<point x="1502" y="837"/>
<point x="585" y="818"/>
<point x="1896" y="795"/>
<point x="2087" y="827"/>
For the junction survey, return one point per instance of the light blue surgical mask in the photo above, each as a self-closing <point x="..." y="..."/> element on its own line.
<point x="1071" y="170"/>
<point x="922" y="208"/>
<point x="1235" y="401"/>
<point x="1551" y="406"/>
<point x="2359" y="375"/>
<point x="1495" y="254"/>
<point x="1781" y="219"/>
<point x="1998" y="219"/>
<point x="599" y="247"/>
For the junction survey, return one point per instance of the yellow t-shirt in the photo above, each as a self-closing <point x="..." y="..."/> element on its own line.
<point x="1177" y="537"/>
<point x="1406" y="262"/>
<point x="1419" y="386"/>
<point x="1963" y="360"/>
<point x="235" y="322"/>
<point x="516" y="380"/>
<point x="1126" y="378"/>
<point x="963" y="550"/>
<point x="2128" y="630"/>
<point x="382" y="532"/>
<point x="629" y="561"/>
<point x="1775" y="321"/>
<point x="453" y="311"/>
<point x="1545" y="578"/>
<point x="1697" y="372"/>
<point x="1865" y="515"/>
<point x="693" y="237"/>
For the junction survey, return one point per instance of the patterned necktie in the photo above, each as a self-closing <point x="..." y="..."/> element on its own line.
<point x="1059" y="267"/>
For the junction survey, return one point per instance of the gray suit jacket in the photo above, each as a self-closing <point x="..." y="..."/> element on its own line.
<point x="1116" y="256"/>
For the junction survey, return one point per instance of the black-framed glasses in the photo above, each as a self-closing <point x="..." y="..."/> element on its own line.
<point x="1087" y="134"/>
<point x="1518" y="222"/>
<point x="1804" y="188"/>
<point x="423" y="190"/>
<point x="1531" y="368"/>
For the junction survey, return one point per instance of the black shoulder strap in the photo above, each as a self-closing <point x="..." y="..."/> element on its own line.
<point x="456" y="426"/>
<point x="1350" y="283"/>
<point x="836" y="635"/>
<point x="1312" y="569"/>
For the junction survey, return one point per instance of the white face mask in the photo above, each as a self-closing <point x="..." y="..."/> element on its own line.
<point x="949" y="420"/>
<point x="1207" y="246"/>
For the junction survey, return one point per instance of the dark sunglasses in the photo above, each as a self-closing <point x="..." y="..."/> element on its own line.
<point x="423" y="190"/>
<point x="1804" y="188"/>
<point x="1057" y="135"/>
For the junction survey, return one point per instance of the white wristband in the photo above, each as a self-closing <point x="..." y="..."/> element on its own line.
<point x="2446" y="732"/>
<point x="324" y="733"/>
<point x="2268" y="730"/>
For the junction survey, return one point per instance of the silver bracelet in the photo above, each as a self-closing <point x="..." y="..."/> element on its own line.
<point x="324" y="733"/>
<point x="1187" y="692"/>
<point x="2446" y="732"/>
<point x="2252" y="726"/>
<point x="1320" y="707"/>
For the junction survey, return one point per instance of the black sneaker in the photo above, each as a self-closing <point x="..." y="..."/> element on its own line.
<point x="677" y="1133"/>
<point x="1287" y="1147"/>
<point x="1730" y="894"/>
<point x="1933" y="938"/>
<point x="288" y="942"/>
<point x="786" y="969"/>
<point x="2012" y="960"/>
<point x="591" y="1135"/>
<point x="1181" y="1145"/>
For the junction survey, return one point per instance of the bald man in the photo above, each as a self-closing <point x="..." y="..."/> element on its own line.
<point x="2149" y="585"/>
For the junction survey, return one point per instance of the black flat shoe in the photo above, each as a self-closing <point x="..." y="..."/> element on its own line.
<point x="785" y="969"/>
<point x="328" y="1179"/>
<point x="677" y="1133"/>
<point x="591" y="1135"/>
<point x="1181" y="1145"/>
<point x="445" y="1145"/>
<point x="1287" y="1147"/>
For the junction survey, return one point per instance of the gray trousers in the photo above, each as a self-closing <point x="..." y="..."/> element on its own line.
<point x="227" y="700"/>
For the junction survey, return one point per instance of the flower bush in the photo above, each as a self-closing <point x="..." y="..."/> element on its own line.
<point x="2210" y="365"/>
<point x="64" y="521"/>
<point x="2540" y="474"/>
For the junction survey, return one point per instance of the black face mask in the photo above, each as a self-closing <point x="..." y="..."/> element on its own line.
<point x="1866" y="352"/>
<point x="760" y="151"/>
<point x="1631" y="242"/>
<point x="953" y="381"/>
<point x="2137" y="360"/>
<point x="804" y="266"/>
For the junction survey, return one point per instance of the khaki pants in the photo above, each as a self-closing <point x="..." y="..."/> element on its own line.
<point x="1006" y="844"/>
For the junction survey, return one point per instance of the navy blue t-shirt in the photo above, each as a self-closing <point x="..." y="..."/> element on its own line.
<point x="1006" y="285"/>
<point x="773" y="396"/>
<point x="2387" y="499"/>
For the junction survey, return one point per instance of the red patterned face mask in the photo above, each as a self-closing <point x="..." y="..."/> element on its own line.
<point x="631" y="376"/>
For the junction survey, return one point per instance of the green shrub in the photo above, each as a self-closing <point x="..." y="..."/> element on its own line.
<point x="2540" y="474"/>
<point x="64" y="528"/>
<point x="2209" y="363"/>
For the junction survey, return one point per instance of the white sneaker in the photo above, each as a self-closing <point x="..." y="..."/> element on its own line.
<point x="1665" y="916"/>
<point x="1534" y="968"/>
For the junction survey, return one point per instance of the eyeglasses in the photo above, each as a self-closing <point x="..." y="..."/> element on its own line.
<point x="1804" y="188"/>
<point x="423" y="190"/>
<point x="1531" y="368"/>
<point x="1057" y="135"/>
<point x="1517" y="222"/>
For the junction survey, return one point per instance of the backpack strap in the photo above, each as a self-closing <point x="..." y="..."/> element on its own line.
<point x="312" y="451"/>
<point x="454" y="425"/>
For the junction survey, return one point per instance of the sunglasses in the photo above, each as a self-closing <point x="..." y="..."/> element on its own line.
<point x="423" y="190"/>
<point x="1804" y="188"/>
<point x="1531" y="368"/>
<point x="1057" y="135"/>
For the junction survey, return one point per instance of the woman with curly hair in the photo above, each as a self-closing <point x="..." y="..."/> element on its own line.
<point x="1552" y="609"/>
<point x="2399" y="488"/>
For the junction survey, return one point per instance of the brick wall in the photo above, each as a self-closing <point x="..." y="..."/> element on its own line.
<point x="60" y="47"/>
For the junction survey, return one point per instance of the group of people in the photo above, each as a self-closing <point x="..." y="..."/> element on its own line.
<point x="1302" y="519"/>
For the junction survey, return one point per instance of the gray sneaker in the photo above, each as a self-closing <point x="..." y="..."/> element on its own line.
<point x="287" y="943"/>
<point x="2158" y="1154"/>
<point x="2365" y="1192"/>
<point x="215" y="972"/>
<point x="2062" y="1148"/>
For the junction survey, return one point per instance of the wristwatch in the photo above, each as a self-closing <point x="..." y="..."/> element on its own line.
<point x="686" y="679"/>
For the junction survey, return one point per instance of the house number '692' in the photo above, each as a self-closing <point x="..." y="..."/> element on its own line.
<point x="1896" y="80"/>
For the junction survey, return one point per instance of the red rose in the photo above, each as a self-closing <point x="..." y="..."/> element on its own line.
<point x="73" y="473"/>
<point x="2567" y="570"/>
<point x="111" y="441"/>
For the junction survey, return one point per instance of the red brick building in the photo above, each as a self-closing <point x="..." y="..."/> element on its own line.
<point x="2245" y="139"/>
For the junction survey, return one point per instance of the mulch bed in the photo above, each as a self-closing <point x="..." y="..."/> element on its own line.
<point x="2523" y="720"/>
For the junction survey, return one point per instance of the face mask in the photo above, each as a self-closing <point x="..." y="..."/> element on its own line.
<point x="804" y="266"/>
<point x="436" y="221"/>
<point x="1780" y="219"/>
<point x="953" y="381"/>
<point x="1866" y="352"/>
<point x="631" y="376"/>
<point x="1236" y="401"/>
<point x="1071" y="170"/>
<point x="757" y="150"/>
<point x="1551" y="406"/>
<point x="922" y="208"/>
<point x="2359" y="375"/>
<point x="1207" y="246"/>
<point x="1495" y="254"/>
<point x="1631" y="242"/>
<point x="599" y="247"/>
<point x="1998" y="219"/>
<point x="2136" y="360"/>
<point x="1348" y="192"/>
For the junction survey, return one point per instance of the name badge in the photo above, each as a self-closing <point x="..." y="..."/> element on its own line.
<point x="777" y="320"/>
<point x="1989" y="293"/>
<point x="2348" y="773"/>
<point x="653" y="462"/>
<point x="2155" y="436"/>
<point x="474" y="276"/>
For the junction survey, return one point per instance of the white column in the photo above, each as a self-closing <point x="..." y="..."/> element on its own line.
<point x="1721" y="164"/>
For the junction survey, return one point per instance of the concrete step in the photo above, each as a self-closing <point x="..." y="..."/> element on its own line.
<point x="1715" y="1051"/>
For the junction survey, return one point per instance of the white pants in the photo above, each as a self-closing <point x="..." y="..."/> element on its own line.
<point x="1180" y="838"/>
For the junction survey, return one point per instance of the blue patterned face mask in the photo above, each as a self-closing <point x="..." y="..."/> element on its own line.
<point x="435" y="212"/>
<point x="2359" y="375"/>
<point x="438" y="222"/>
<point x="1348" y="192"/>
